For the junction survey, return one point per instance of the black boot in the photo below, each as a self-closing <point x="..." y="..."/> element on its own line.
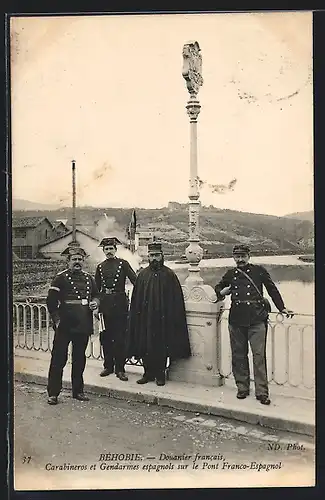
<point x="161" y="378"/>
<point x="122" y="376"/>
<point x="242" y="394"/>
<point x="52" y="400"/>
<point x="160" y="381"/>
<point x="81" y="397"/>
<point x="105" y="372"/>
<point x="145" y="379"/>
<point x="264" y="400"/>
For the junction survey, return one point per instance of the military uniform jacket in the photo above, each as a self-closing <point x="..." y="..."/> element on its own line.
<point x="246" y="304"/>
<point x="68" y="301"/>
<point x="110" y="279"/>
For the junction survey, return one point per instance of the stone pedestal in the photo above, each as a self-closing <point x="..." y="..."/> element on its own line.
<point x="203" y="313"/>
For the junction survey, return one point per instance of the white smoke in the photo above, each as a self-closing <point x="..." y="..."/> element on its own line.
<point x="107" y="227"/>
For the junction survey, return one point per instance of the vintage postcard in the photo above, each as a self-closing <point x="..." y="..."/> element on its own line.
<point x="163" y="250"/>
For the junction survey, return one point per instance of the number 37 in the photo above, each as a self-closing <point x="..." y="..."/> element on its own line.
<point x="26" y="459"/>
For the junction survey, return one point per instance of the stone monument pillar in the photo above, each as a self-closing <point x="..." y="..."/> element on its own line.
<point x="192" y="73"/>
<point x="202" y="310"/>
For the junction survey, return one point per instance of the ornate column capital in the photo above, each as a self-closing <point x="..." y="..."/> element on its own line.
<point x="193" y="109"/>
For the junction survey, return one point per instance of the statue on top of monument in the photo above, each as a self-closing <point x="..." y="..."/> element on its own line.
<point x="192" y="67"/>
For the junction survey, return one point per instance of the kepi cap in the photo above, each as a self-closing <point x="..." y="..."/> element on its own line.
<point x="155" y="246"/>
<point x="241" y="249"/>
<point x="109" y="241"/>
<point x="74" y="249"/>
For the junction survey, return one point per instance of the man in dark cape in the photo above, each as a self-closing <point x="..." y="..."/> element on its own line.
<point x="157" y="326"/>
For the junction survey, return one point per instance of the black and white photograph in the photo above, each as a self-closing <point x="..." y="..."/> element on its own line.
<point x="163" y="322"/>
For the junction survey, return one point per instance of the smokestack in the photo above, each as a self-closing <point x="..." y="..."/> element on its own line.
<point x="74" y="239"/>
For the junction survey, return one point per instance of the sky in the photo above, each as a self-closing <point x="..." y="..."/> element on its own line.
<point x="108" y="92"/>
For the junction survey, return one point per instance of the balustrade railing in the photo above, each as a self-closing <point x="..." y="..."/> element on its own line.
<point x="290" y="350"/>
<point x="32" y="331"/>
<point x="290" y="343"/>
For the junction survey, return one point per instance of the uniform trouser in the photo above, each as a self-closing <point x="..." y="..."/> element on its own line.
<point x="59" y="359"/>
<point x="154" y="366"/>
<point x="113" y="343"/>
<point x="239" y="338"/>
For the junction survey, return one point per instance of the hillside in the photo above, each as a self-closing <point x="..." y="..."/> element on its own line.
<point x="20" y="204"/>
<point x="302" y="215"/>
<point x="220" y="229"/>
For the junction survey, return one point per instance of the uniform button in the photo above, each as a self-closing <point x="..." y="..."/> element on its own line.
<point x="248" y="286"/>
<point x="248" y="270"/>
<point x="235" y="278"/>
<point x="248" y="293"/>
<point x="236" y="272"/>
<point x="248" y="303"/>
<point x="236" y="293"/>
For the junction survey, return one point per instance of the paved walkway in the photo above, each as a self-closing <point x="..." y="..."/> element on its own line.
<point x="285" y="413"/>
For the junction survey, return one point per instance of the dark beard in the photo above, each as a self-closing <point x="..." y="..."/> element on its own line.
<point x="155" y="265"/>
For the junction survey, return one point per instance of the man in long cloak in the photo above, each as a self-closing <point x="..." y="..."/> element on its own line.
<point x="157" y="327"/>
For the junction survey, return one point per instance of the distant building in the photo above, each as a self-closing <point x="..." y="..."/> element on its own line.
<point x="60" y="227"/>
<point x="174" y="205"/>
<point x="64" y="221"/>
<point x="142" y="238"/>
<point x="55" y="247"/>
<point x="306" y="242"/>
<point x="28" y="234"/>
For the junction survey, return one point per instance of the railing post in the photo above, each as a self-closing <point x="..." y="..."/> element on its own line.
<point x="219" y="344"/>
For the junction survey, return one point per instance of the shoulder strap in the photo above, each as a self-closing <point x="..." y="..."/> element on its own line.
<point x="250" y="279"/>
<point x="62" y="272"/>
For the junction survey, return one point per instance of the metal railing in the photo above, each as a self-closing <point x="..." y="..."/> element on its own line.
<point x="290" y="343"/>
<point x="32" y="331"/>
<point x="290" y="350"/>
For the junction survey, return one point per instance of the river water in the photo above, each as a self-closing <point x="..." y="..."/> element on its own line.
<point x="294" y="278"/>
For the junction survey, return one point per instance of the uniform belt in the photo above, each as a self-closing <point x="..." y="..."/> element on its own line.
<point x="74" y="301"/>
<point x="110" y="291"/>
<point x="247" y="301"/>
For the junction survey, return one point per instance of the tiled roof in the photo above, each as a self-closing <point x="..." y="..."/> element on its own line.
<point x="58" y="223"/>
<point x="78" y="230"/>
<point x="26" y="221"/>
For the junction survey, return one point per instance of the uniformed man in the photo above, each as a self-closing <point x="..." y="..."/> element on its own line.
<point x="248" y="320"/>
<point x="157" y="328"/>
<point x="71" y="300"/>
<point x="110" y="279"/>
